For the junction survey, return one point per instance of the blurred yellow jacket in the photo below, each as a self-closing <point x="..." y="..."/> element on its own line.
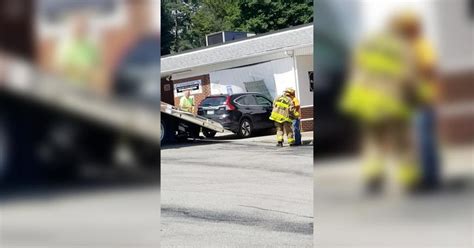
<point x="381" y="80"/>
<point x="426" y="61"/>
<point x="297" y="112"/>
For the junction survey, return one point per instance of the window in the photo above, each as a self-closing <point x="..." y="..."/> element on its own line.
<point x="263" y="101"/>
<point x="246" y="100"/>
<point x="311" y="81"/>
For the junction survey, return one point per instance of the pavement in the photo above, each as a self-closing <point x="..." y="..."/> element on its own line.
<point x="306" y="138"/>
<point x="345" y="216"/>
<point x="236" y="193"/>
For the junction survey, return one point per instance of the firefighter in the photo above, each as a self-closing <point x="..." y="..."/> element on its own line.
<point x="381" y="95"/>
<point x="296" y="117"/>
<point x="283" y="114"/>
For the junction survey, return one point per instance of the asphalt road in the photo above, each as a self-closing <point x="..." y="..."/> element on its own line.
<point x="109" y="211"/>
<point x="236" y="194"/>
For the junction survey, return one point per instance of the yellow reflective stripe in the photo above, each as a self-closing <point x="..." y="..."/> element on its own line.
<point x="408" y="174"/>
<point x="278" y="117"/>
<point x="283" y="105"/>
<point x="376" y="62"/>
<point x="372" y="105"/>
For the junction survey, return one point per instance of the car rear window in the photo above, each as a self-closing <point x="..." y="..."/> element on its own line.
<point x="213" y="101"/>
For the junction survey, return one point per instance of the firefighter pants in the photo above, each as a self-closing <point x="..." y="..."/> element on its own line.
<point x="284" y="129"/>
<point x="390" y="137"/>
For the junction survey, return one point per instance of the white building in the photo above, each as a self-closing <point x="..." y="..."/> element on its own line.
<point x="267" y="63"/>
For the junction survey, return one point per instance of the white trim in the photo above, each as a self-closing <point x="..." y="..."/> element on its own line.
<point x="307" y="106"/>
<point x="295" y="74"/>
<point x="282" y="50"/>
<point x="456" y="109"/>
<point x="242" y="41"/>
<point x="307" y="119"/>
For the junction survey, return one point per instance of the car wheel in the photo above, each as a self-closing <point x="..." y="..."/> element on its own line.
<point x="209" y="133"/>
<point x="245" y="128"/>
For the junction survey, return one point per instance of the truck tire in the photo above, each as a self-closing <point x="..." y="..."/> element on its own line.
<point x="5" y="155"/>
<point x="209" y="133"/>
<point x="17" y="161"/>
<point x="167" y="133"/>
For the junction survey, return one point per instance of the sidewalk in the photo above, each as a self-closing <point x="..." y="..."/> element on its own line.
<point x="306" y="138"/>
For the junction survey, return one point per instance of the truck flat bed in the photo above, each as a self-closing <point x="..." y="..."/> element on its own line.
<point x="195" y="119"/>
<point x="21" y="79"/>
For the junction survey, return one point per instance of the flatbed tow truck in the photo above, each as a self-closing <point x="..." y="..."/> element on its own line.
<point x="49" y="125"/>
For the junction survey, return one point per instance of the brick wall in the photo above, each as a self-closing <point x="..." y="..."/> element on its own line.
<point x="456" y="89"/>
<point x="306" y="113"/>
<point x="307" y="125"/>
<point x="113" y="43"/>
<point x="206" y="89"/>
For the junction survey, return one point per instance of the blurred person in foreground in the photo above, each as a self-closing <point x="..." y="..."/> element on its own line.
<point x="427" y="94"/>
<point x="186" y="102"/>
<point x="296" y="118"/>
<point x="283" y="114"/>
<point x="382" y="95"/>
<point x="77" y="57"/>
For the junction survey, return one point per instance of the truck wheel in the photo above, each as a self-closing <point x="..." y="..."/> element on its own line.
<point x="17" y="163"/>
<point x="166" y="131"/>
<point x="209" y="133"/>
<point x="4" y="150"/>
<point x="245" y="128"/>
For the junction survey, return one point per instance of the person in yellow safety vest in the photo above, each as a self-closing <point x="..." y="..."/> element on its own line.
<point x="77" y="58"/>
<point x="283" y="114"/>
<point x="296" y="117"/>
<point x="186" y="102"/>
<point x="381" y="95"/>
<point x="428" y="93"/>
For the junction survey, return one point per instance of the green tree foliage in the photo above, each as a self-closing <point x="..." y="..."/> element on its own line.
<point x="185" y="23"/>
<point x="261" y="16"/>
<point x="166" y="29"/>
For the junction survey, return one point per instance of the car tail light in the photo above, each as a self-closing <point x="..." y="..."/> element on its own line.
<point x="228" y="104"/>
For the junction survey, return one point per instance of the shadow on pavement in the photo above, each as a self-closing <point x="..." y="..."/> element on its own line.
<point x="98" y="181"/>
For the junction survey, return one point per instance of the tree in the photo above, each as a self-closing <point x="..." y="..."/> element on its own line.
<point x="261" y="16"/>
<point x="187" y="22"/>
<point x="166" y="28"/>
<point x="213" y="16"/>
<point x="178" y="13"/>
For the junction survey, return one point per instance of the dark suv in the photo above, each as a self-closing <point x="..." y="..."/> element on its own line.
<point x="241" y="113"/>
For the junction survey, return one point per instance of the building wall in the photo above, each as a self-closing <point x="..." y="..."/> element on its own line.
<point x="206" y="89"/>
<point x="304" y="64"/>
<point x="456" y="111"/>
<point x="276" y="74"/>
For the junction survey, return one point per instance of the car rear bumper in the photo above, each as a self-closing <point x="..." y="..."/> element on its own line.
<point x="225" y="120"/>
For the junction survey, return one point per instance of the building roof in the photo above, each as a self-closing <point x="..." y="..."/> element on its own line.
<point x="286" y="39"/>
